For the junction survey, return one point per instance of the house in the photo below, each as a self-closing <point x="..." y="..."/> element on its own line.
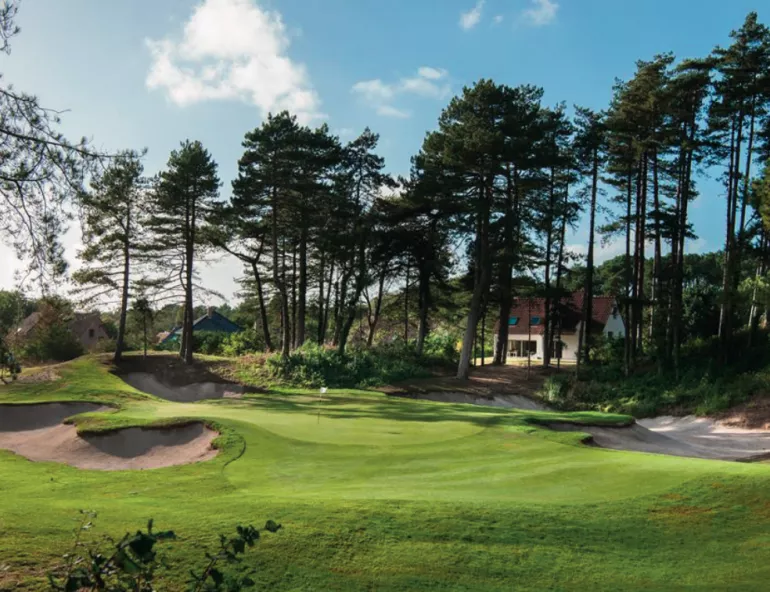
<point x="211" y="322"/>
<point x="86" y="327"/>
<point x="527" y="317"/>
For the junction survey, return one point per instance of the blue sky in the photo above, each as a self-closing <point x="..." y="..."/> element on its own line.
<point x="150" y="73"/>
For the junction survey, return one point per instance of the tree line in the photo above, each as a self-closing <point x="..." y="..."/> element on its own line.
<point x="326" y="236"/>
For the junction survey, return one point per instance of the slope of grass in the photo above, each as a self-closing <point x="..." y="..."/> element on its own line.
<point x="383" y="493"/>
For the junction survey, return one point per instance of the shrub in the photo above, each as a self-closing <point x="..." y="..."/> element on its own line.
<point x="130" y="563"/>
<point x="556" y="389"/>
<point x="208" y="342"/>
<point x="240" y="344"/>
<point x="315" y="366"/>
<point x="52" y="343"/>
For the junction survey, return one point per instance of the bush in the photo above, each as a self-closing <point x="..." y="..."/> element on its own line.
<point x="240" y="344"/>
<point x="315" y="366"/>
<point x="556" y="389"/>
<point x="131" y="562"/>
<point x="52" y="343"/>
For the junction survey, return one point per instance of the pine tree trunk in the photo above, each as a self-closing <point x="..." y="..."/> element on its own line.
<point x="325" y="321"/>
<point x="189" y="344"/>
<point x="302" y="301"/>
<point x="262" y="307"/>
<point x="483" y="276"/>
<point x="506" y="264"/>
<point x="278" y="278"/>
<point x="120" y="341"/>
<point x="547" y="329"/>
<point x="584" y="341"/>
<point x="294" y="297"/>
<point x="321" y="278"/>
<point x="655" y="329"/>
<point x="377" y="307"/>
<point x="627" y="276"/>
<point x="424" y="298"/>
<point x="559" y="275"/>
<point x="406" y="302"/>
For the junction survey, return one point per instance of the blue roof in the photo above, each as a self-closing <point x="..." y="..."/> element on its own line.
<point x="216" y="323"/>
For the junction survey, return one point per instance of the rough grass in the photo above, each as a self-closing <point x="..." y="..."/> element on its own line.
<point x="382" y="493"/>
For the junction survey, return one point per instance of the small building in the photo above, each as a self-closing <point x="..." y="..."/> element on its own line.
<point x="211" y="322"/>
<point x="87" y="327"/>
<point x="526" y="326"/>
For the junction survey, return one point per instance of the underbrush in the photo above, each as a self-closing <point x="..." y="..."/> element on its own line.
<point x="705" y="386"/>
<point x="316" y="366"/>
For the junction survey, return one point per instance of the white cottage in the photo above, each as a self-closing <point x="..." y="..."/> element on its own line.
<point x="527" y="317"/>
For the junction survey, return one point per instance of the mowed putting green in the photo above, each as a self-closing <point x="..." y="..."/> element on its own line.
<point x="379" y="493"/>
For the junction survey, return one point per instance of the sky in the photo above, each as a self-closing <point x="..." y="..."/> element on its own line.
<point x="150" y="74"/>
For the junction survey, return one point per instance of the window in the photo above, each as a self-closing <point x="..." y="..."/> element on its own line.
<point x="535" y="321"/>
<point x="513" y="321"/>
<point x="610" y="334"/>
<point x="91" y="333"/>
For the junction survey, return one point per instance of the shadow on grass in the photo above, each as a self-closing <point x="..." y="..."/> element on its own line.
<point x="419" y="411"/>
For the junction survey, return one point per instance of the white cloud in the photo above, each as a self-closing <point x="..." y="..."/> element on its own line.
<point x="429" y="82"/>
<point x="431" y="73"/>
<point x="389" y="111"/>
<point x="543" y="12"/>
<point x="498" y="19"/>
<point x="470" y="19"/>
<point x="233" y="50"/>
<point x="374" y="90"/>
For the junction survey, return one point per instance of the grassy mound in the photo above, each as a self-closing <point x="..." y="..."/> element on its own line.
<point x="385" y="493"/>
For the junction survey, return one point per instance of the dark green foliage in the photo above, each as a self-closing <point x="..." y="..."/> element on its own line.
<point x="130" y="564"/>
<point x="706" y="388"/>
<point x="14" y="307"/>
<point x="317" y="366"/>
<point x="9" y="365"/>
<point x="183" y="205"/>
<point x="239" y="344"/>
<point x="209" y="342"/>
<point x="113" y="213"/>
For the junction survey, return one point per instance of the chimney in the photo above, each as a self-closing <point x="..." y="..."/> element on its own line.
<point x="210" y="311"/>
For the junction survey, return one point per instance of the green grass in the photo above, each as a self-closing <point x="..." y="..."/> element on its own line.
<point x="379" y="493"/>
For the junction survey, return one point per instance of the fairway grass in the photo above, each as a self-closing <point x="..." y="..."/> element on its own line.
<point x="381" y="493"/>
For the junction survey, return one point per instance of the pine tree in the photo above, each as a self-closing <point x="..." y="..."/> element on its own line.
<point x="113" y="218"/>
<point x="590" y="146"/>
<point x="185" y="198"/>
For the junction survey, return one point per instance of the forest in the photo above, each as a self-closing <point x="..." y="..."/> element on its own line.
<point x="340" y="255"/>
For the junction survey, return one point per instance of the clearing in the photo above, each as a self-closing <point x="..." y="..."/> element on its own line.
<point x="390" y="493"/>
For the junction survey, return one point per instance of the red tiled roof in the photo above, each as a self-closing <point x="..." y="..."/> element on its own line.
<point x="570" y="309"/>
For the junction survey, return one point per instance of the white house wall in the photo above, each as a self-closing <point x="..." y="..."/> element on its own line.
<point x="615" y="326"/>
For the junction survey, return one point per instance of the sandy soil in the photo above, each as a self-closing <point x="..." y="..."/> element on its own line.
<point x="679" y="436"/>
<point x="16" y="418"/>
<point x="492" y="386"/>
<point x="199" y="391"/>
<point x="709" y="434"/>
<point x="36" y="432"/>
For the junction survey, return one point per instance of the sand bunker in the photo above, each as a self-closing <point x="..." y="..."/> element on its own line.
<point x="17" y="418"/>
<point x="200" y="391"/>
<point x="504" y="401"/>
<point x="682" y="436"/>
<point x="36" y="432"/>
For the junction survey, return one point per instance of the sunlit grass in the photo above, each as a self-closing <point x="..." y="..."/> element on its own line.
<point x="377" y="492"/>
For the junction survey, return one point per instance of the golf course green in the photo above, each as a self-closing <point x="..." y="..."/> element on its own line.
<point x="381" y="493"/>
